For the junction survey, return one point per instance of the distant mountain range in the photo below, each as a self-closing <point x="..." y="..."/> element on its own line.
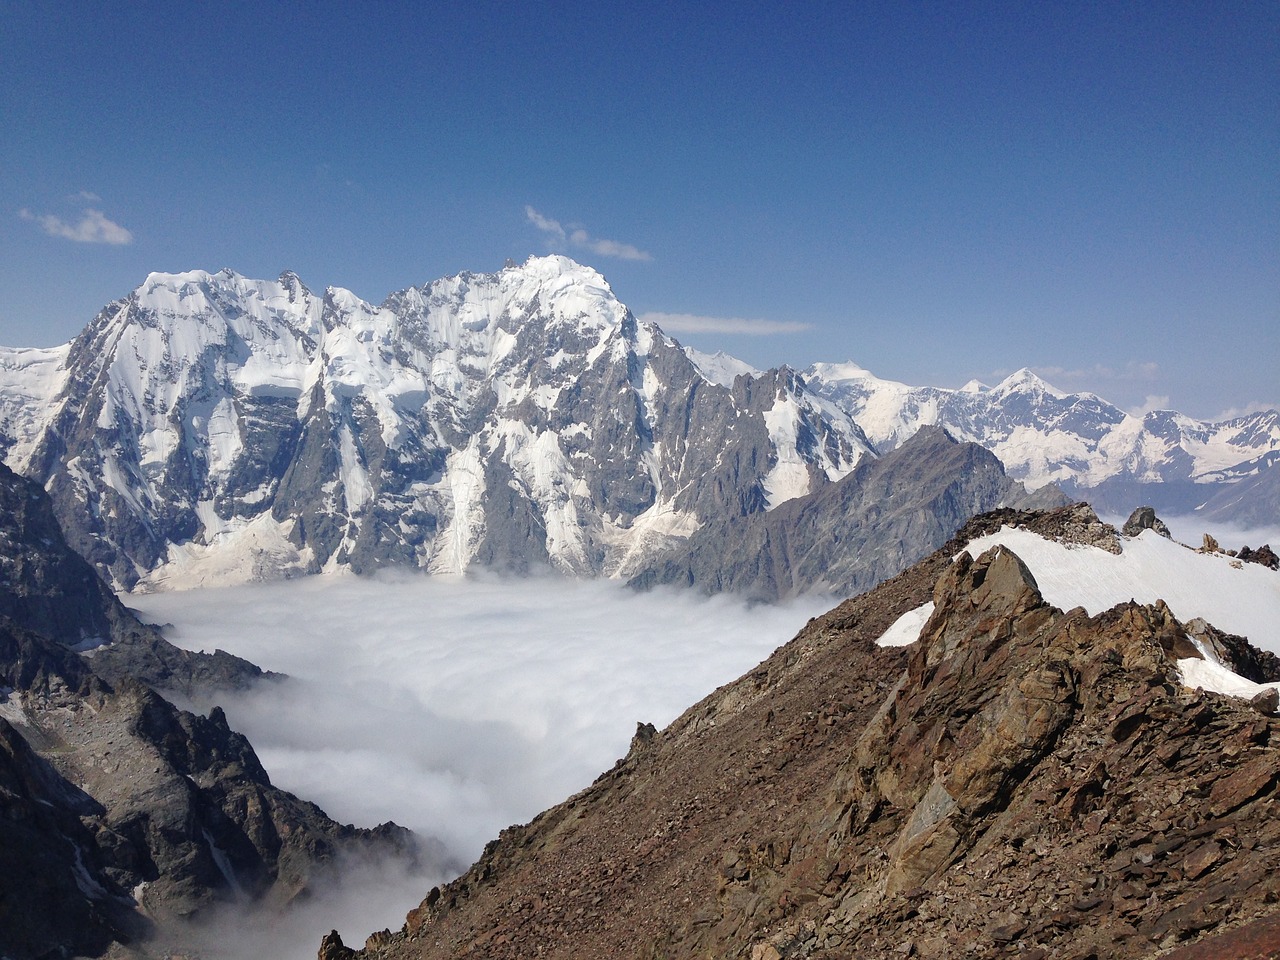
<point x="1090" y="448"/>
<point x="211" y="428"/>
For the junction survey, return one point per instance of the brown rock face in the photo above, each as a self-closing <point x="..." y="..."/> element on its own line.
<point x="1263" y="555"/>
<point x="1022" y="781"/>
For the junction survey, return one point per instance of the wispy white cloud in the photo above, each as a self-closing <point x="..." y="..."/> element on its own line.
<point x="92" y="227"/>
<point x="607" y="248"/>
<point x="577" y="236"/>
<point x="693" y="323"/>
<point x="1151" y="404"/>
<point x="1256" y="406"/>
<point x="85" y="196"/>
<point x="545" y="224"/>
<point x="1144" y="371"/>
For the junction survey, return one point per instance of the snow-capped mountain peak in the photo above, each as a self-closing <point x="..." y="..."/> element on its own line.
<point x="1026" y="381"/>
<point x="719" y="367"/>
<point x="833" y="372"/>
<point x="217" y="426"/>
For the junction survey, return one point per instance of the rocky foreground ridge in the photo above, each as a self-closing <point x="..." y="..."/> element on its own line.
<point x="1021" y="781"/>
<point x="122" y="818"/>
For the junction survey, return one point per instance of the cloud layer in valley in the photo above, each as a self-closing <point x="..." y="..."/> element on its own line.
<point x="458" y="707"/>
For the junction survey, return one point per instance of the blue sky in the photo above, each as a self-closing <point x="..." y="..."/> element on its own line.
<point x="937" y="191"/>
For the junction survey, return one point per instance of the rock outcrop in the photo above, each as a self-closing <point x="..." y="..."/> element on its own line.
<point x="1022" y="780"/>
<point x="1264" y="555"/>
<point x="1144" y="518"/>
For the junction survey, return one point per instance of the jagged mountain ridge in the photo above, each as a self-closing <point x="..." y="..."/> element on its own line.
<point x="1020" y="780"/>
<point x="507" y="419"/>
<point x="845" y="538"/>
<point x="1089" y="447"/>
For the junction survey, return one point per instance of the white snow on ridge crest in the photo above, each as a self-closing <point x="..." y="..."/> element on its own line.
<point x="1243" y="600"/>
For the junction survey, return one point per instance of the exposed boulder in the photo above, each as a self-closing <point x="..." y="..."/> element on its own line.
<point x="1263" y="555"/>
<point x="1144" y="518"/>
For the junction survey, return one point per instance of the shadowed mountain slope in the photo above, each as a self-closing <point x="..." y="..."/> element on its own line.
<point x="122" y="816"/>
<point x="47" y="588"/>
<point x="848" y="536"/>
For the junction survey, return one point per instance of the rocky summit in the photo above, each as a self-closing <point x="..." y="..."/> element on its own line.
<point x="1020" y="780"/>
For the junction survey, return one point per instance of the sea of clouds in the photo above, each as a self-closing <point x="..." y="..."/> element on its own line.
<point x="459" y="706"/>
<point x="455" y="707"/>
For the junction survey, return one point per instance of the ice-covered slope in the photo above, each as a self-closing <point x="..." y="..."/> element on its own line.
<point x="1079" y="441"/>
<point x="32" y="379"/>
<point x="210" y="427"/>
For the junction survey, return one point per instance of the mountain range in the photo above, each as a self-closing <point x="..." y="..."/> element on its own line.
<point x="1092" y="449"/>
<point x="210" y="428"/>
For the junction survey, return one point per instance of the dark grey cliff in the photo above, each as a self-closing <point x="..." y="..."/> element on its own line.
<point x="848" y="535"/>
